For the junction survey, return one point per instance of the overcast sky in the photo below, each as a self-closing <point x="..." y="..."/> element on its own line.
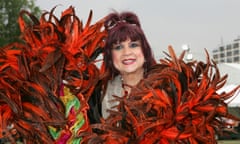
<point x="198" y="23"/>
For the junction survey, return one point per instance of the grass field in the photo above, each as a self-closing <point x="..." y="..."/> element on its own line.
<point x="229" y="142"/>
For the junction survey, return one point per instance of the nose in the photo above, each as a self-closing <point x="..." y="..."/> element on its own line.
<point x="127" y="50"/>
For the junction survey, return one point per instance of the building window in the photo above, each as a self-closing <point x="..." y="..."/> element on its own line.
<point x="221" y="48"/>
<point x="215" y="51"/>
<point x="222" y="55"/>
<point x="229" y="53"/>
<point x="236" y="52"/>
<point x="229" y="60"/>
<point x="229" y="47"/>
<point x="215" y="56"/>
<point x="236" y="59"/>
<point x="236" y="45"/>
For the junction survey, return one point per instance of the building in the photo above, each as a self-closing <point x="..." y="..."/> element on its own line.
<point x="227" y="53"/>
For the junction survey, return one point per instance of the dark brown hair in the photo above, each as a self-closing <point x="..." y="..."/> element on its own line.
<point x="121" y="26"/>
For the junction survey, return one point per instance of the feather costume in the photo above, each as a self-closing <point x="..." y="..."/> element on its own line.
<point x="46" y="81"/>
<point x="176" y="103"/>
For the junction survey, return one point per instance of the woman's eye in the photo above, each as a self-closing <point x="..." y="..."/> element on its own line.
<point x="117" y="47"/>
<point x="134" y="44"/>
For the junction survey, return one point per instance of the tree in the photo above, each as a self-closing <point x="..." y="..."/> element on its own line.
<point x="9" y="12"/>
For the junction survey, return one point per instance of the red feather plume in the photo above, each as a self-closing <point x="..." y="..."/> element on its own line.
<point x="32" y="73"/>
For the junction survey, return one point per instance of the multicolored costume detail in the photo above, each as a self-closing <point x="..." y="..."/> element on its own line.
<point x="75" y="119"/>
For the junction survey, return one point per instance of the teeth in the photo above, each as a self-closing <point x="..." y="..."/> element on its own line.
<point x="128" y="61"/>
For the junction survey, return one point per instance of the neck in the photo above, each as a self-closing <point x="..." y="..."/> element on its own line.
<point x="132" y="79"/>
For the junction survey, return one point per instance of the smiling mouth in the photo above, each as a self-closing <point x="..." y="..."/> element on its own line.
<point x="128" y="61"/>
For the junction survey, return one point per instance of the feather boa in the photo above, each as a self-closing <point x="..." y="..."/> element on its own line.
<point x="176" y="103"/>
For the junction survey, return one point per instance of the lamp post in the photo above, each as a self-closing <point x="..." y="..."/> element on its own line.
<point x="188" y="55"/>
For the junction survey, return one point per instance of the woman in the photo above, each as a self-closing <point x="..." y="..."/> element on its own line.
<point x="144" y="102"/>
<point x="127" y="57"/>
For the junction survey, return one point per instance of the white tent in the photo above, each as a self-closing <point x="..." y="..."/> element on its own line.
<point x="235" y="100"/>
<point x="233" y="72"/>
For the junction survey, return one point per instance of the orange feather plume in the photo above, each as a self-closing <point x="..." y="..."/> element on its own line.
<point x="32" y="73"/>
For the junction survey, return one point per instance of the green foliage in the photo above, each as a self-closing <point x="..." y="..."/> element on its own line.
<point x="9" y="12"/>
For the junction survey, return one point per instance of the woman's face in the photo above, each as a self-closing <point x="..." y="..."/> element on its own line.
<point x="128" y="57"/>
